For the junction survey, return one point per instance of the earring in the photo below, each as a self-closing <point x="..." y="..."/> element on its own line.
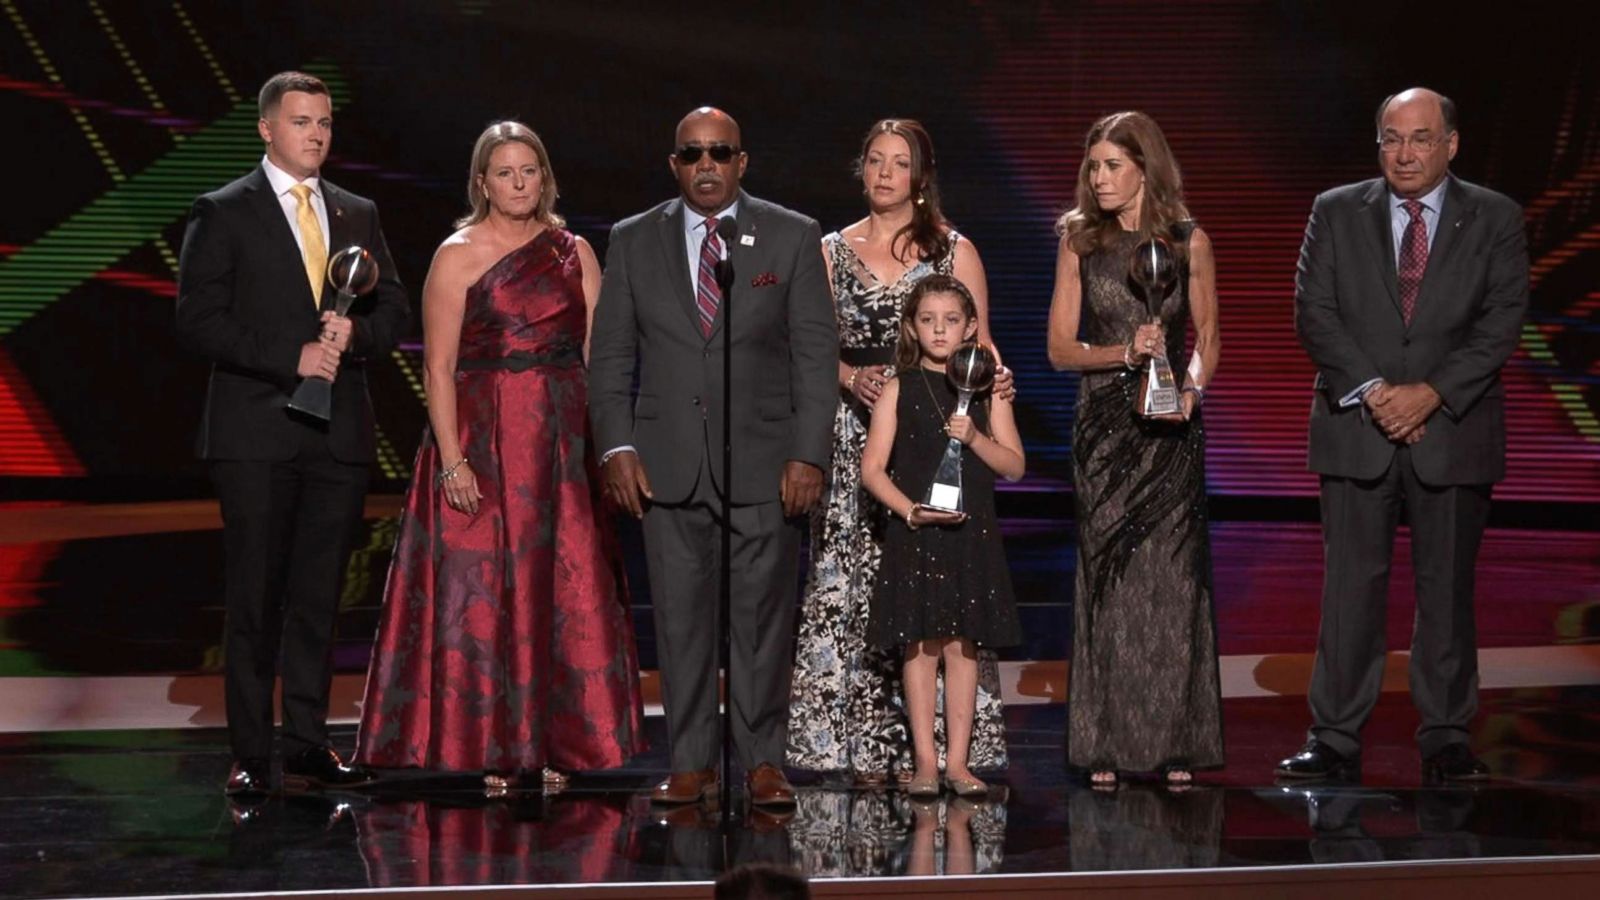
<point x="921" y="200"/>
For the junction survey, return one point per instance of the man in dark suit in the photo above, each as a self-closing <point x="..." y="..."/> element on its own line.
<point x="253" y="298"/>
<point x="1409" y="298"/>
<point x="660" y="309"/>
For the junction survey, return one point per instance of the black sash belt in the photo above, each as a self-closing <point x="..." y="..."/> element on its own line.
<point x="866" y="356"/>
<point x="562" y="357"/>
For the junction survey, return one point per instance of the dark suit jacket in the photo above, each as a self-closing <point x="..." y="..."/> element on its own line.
<point x="1466" y="325"/>
<point x="244" y="303"/>
<point x="785" y="353"/>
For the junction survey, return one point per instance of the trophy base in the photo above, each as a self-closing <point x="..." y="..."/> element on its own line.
<point x="1161" y="402"/>
<point x="1158" y="390"/>
<point x="314" y="397"/>
<point x="945" y="498"/>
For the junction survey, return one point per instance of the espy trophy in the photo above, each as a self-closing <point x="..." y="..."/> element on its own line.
<point x="352" y="272"/>
<point x="1153" y="269"/>
<point x="969" y="369"/>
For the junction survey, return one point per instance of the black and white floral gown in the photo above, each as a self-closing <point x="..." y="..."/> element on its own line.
<point x="846" y="712"/>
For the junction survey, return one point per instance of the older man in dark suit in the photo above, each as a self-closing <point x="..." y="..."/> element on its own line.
<point x="253" y="299"/>
<point x="1409" y="299"/>
<point x="661" y="310"/>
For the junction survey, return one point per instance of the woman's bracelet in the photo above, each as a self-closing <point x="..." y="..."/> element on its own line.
<point x="1198" y="392"/>
<point x="909" y="511"/>
<point x="850" y="383"/>
<point x="450" y="473"/>
<point x="1127" y="356"/>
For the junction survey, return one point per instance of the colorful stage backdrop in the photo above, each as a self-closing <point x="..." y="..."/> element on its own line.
<point x="118" y="113"/>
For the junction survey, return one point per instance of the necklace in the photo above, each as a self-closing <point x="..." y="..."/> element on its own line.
<point x="936" y="404"/>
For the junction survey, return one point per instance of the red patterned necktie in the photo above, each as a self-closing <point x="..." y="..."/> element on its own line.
<point x="1413" y="258"/>
<point x="707" y="295"/>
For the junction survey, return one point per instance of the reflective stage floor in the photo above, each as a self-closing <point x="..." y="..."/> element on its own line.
<point x="111" y="761"/>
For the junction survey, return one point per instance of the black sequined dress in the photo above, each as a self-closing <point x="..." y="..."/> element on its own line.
<point x="1144" y="690"/>
<point x="941" y="581"/>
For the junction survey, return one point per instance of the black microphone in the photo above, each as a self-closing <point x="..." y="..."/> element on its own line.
<point x="727" y="230"/>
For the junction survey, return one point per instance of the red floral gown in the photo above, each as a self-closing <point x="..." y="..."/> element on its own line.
<point x="505" y="641"/>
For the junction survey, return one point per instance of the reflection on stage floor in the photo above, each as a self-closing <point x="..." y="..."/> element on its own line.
<point x="140" y="812"/>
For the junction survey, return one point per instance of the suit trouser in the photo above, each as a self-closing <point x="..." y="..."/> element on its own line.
<point x="1359" y="519"/>
<point x="683" y="548"/>
<point x="286" y="529"/>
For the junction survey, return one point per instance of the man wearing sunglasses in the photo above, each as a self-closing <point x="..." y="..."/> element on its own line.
<point x="661" y="314"/>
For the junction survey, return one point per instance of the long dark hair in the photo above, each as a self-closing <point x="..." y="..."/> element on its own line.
<point x="907" y="352"/>
<point x="928" y="232"/>
<point x="1089" y="228"/>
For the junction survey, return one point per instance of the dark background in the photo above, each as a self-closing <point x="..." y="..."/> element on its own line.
<point x="119" y="113"/>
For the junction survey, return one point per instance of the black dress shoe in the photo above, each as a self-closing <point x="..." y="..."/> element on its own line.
<point x="1318" y="760"/>
<point x="249" y="778"/>
<point x="319" y="767"/>
<point x="1455" y="762"/>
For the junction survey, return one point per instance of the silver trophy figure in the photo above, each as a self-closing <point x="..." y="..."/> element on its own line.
<point x="1154" y="270"/>
<point x="352" y="271"/>
<point x="970" y="369"/>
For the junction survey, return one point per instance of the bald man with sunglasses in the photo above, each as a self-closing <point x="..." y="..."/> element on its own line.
<point x="661" y="315"/>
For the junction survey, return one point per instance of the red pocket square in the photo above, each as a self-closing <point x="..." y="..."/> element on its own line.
<point x="764" y="279"/>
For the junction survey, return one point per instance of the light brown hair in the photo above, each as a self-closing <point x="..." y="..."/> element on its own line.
<point x="907" y="352"/>
<point x="494" y="136"/>
<point x="1087" y="227"/>
<point x="282" y="83"/>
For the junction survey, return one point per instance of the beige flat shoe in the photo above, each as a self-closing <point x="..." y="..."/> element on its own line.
<point x="923" y="788"/>
<point x="968" y="788"/>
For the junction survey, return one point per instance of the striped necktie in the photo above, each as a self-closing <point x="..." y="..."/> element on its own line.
<point x="707" y="296"/>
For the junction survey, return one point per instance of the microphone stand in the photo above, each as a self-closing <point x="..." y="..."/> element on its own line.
<point x="727" y="230"/>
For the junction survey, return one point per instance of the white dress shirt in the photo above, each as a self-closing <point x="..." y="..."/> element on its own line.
<point x="281" y="182"/>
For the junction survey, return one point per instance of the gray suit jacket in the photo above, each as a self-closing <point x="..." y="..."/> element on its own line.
<point x="785" y="353"/>
<point x="1466" y="325"/>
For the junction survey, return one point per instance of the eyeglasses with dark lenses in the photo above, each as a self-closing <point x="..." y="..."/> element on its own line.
<point x="689" y="154"/>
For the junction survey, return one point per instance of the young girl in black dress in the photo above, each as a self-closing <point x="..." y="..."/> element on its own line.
<point x="943" y="589"/>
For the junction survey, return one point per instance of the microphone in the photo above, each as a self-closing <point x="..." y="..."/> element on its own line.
<point x="728" y="231"/>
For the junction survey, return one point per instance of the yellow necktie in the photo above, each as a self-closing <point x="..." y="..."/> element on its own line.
<point x="316" y="251"/>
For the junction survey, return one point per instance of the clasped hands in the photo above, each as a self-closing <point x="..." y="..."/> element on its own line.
<point x="624" y="482"/>
<point x="1400" y="410"/>
<point x="320" y="358"/>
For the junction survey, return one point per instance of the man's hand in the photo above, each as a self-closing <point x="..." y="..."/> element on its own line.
<point x="337" y="330"/>
<point x="625" y="484"/>
<point x="1400" y="409"/>
<point x="801" y="487"/>
<point x="319" y="359"/>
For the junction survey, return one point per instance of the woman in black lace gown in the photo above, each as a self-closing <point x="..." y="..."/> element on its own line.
<point x="1144" y="692"/>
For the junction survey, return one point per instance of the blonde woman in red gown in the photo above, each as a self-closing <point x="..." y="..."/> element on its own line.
<point x="505" y="645"/>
